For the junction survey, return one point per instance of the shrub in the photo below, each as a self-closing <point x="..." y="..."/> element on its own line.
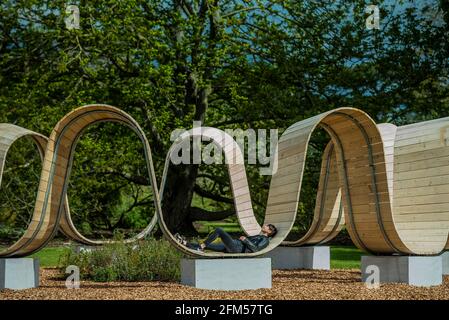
<point x="8" y="233"/>
<point x="146" y="260"/>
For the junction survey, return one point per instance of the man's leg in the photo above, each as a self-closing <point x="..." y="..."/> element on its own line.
<point x="193" y="246"/>
<point x="207" y="244"/>
<point x="231" y="245"/>
<point x="219" y="247"/>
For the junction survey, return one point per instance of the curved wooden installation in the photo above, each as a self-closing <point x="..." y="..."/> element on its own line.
<point x="239" y="183"/>
<point x="376" y="198"/>
<point x="328" y="217"/>
<point x="391" y="182"/>
<point x="416" y="165"/>
<point x="357" y="142"/>
<point x="9" y="134"/>
<point x="74" y="124"/>
<point x="359" y="155"/>
<point x="418" y="186"/>
<point x="59" y="151"/>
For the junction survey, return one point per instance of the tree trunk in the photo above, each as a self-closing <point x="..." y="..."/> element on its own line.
<point x="177" y="199"/>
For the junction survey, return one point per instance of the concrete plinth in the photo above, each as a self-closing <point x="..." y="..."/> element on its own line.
<point x="414" y="270"/>
<point x="226" y="274"/>
<point x="317" y="258"/>
<point x="19" y="273"/>
<point x="445" y="262"/>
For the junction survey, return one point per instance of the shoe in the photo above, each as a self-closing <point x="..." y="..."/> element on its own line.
<point x="198" y="248"/>
<point x="180" y="239"/>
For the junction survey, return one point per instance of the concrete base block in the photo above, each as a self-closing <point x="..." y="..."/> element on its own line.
<point x="19" y="273"/>
<point x="226" y="274"/>
<point x="317" y="258"/>
<point x="445" y="261"/>
<point x="414" y="270"/>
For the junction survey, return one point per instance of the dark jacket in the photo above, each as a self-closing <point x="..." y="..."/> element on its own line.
<point x="255" y="243"/>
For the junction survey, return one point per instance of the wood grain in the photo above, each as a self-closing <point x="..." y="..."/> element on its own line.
<point x="388" y="184"/>
<point x="51" y="208"/>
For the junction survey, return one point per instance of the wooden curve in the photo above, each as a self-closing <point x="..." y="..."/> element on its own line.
<point x="391" y="182"/>
<point x="360" y="159"/>
<point x="419" y="184"/>
<point x="9" y="134"/>
<point x="49" y="213"/>
<point x="417" y="167"/>
<point x="95" y="114"/>
<point x="239" y="184"/>
<point x="328" y="217"/>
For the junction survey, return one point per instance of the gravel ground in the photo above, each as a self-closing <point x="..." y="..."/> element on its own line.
<point x="293" y="285"/>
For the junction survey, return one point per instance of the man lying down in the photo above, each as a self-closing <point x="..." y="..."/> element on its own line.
<point x="230" y="245"/>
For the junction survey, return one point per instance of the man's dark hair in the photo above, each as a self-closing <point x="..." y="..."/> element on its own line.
<point x="273" y="230"/>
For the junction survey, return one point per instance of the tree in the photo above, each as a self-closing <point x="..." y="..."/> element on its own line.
<point x="157" y="60"/>
<point x="227" y="63"/>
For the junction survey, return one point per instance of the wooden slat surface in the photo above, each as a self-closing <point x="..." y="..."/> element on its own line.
<point x="51" y="208"/>
<point x="388" y="184"/>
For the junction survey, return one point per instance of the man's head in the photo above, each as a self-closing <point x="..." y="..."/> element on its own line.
<point x="269" y="229"/>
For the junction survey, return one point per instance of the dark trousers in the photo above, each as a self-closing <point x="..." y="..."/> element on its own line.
<point x="228" y="244"/>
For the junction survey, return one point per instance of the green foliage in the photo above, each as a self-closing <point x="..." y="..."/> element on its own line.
<point x="19" y="188"/>
<point x="49" y="257"/>
<point x="144" y="261"/>
<point x="103" y="196"/>
<point x="342" y="257"/>
<point x="7" y="232"/>
<point x="231" y="64"/>
<point x="345" y="257"/>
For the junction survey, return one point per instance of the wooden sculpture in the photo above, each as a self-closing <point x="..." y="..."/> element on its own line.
<point x="357" y="141"/>
<point x="416" y="165"/>
<point x="239" y="184"/>
<point x="387" y="183"/>
<point x="328" y="218"/>
<point x="10" y="133"/>
<point x="59" y="150"/>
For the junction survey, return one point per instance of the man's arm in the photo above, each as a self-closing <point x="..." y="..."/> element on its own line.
<point x="255" y="247"/>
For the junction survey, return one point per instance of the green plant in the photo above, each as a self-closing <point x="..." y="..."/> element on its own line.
<point x="9" y="233"/>
<point x="143" y="261"/>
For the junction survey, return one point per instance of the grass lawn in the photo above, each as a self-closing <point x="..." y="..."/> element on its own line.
<point x="341" y="257"/>
<point x="205" y="227"/>
<point x="49" y="256"/>
<point x="345" y="257"/>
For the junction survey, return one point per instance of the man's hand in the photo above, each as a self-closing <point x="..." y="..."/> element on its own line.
<point x="242" y="238"/>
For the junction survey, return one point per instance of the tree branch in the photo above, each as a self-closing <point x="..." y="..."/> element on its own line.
<point x="186" y="8"/>
<point x="139" y="180"/>
<point x="229" y="14"/>
<point x="157" y="140"/>
<point x="207" y="194"/>
<point x="198" y="214"/>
